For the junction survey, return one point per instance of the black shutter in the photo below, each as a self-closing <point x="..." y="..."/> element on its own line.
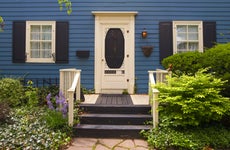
<point x="19" y="41"/>
<point x="166" y="39"/>
<point x="62" y="42"/>
<point x="209" y="34"/>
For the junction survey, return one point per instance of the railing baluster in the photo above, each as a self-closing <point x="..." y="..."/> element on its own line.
<point x="153" y="92"/>
<point x="69" y="84"/>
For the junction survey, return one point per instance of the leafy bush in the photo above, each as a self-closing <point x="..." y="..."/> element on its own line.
<point x="27" y="130"/>
<point x="188" y="62"/>
<point x="11" y="92"/>
<point x="199" y="138"/>
<point x="216" y="58"/>
<point x="192" y="100"/>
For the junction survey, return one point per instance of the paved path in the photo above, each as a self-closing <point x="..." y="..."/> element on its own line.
<point x="108" y="144"/>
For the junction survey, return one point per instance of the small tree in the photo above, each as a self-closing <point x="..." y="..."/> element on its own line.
<point x="192" y="100"/>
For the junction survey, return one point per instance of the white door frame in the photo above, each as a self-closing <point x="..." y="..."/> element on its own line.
<point x="103" y="18"/>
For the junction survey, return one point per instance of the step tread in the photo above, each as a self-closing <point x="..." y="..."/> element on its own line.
<point x="113" y="127"/>
<point x="97" y="105"/>
<point x="116" y="115"/>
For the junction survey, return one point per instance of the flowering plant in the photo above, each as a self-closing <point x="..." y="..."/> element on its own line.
<point x="61" y="104"/>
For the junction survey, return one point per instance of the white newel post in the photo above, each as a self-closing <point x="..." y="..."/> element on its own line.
<point x="155" y="104"/>
<point x="70" y="108"/>
<point x="70" y="83"/>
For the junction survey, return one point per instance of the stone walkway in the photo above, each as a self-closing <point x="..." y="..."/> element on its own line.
<point x="108" y="144"/>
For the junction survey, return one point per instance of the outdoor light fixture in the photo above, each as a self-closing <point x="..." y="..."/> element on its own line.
<point x="144" y="33"/>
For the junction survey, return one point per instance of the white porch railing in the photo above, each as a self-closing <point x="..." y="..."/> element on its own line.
<point x="160" y="76"/>
<point x="70" y="83"/>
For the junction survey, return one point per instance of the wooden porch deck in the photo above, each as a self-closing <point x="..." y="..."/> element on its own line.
<point x="113" y="99"/>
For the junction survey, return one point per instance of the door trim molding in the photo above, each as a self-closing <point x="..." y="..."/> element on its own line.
<point x="104" y="18"/>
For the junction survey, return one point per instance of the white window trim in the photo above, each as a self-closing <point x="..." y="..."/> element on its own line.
<point x="28" y="52"/>
<point x="200" y="33"/>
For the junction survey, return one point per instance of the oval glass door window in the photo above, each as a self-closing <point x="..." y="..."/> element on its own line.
<point x="114" y="48"/>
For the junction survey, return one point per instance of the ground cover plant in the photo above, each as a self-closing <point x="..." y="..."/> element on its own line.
<point x="25" y="123"/>
<point x="191" y="111"/>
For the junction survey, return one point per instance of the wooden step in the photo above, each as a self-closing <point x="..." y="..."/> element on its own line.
<point x="115" y="119"/>
<point x="113" y="109"/>
<point x="110" y="131"/>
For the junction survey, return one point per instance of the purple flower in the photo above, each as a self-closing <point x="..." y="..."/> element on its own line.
<point x="48" y="97"/>
<point x="61" y="104"/>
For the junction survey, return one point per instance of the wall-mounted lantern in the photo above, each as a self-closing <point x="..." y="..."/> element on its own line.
<point x="144" y="34"/>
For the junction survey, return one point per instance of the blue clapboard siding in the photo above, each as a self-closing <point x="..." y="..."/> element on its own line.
<point x="81" y="31"/>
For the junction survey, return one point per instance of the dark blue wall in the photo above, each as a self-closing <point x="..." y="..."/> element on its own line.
<point x="81" y="33"/>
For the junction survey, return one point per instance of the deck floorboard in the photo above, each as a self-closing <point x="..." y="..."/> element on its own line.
<point x="114" y="99"/>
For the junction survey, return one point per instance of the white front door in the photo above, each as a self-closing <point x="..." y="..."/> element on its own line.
<point x="114" y="59"/>
<point x="114" y="52"/>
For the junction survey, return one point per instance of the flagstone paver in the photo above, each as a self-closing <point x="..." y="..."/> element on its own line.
<point x="108" y="144"/>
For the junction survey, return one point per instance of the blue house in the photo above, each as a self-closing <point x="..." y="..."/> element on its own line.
<point x="104" y="38"/>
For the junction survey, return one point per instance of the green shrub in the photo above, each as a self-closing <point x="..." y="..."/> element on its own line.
<point x="11" y="92"/>
<point x="188" y="62"/>
<point x="198" y="138"/>
<point x="216" y="58"/>
<point x="192" y="100"/>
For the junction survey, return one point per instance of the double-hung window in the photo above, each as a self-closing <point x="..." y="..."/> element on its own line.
<point x="187" y="36"/>
<point x="40" y="41"/>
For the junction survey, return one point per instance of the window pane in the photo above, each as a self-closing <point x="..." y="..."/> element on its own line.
<point x="35" y="32"/>
<point x="35" y="28"/>
<point x="34" y="46"/>
<point x="181" y="46"/>
<point x="193" y="46"/>
<point x="35" y="36"/>
<point x="46" y="28"/>
<point x="192" y="36"/>
<point x="46" y="32"/>
<point x="181" y="28"/>
<point x="181" y="36"/>
<point x="193" y="28"/>
<point x="46" y="36"/>
<point x="46" y="47"/>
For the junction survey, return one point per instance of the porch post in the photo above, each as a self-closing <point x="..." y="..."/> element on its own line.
<point x="155" y="104"/>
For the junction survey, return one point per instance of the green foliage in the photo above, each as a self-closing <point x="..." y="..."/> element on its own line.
<point x="55" y="120"/>
<point x="187" y="63"/>
<point x="1" y="19"/>
<point x="68" y="5"/>
<point x="31" y="94"/>
<point x="216" y="58"/>
<point x="199" y="138"/>
<point x="11" y="92"/>
<point x="1" y="23"/>
<point x="192" y="100"/>
<point x="27" y="130"/>
<point x="44" y="91"/>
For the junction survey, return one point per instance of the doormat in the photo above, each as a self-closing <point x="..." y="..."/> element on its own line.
<point x="114" y="99"/>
